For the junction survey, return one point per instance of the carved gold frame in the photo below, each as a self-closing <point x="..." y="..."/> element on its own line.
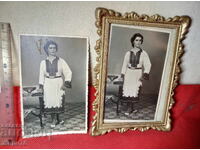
<point x="104" y="17"/>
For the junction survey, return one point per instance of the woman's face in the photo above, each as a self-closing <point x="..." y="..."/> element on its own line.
<point x="52" y="50"/>
<point x="138" y="42"/>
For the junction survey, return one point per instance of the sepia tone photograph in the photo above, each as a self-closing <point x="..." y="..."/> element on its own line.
<point x="54" y="86"/>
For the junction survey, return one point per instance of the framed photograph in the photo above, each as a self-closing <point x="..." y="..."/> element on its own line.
<point x="54" y="87"/>
<point x="137" y="70"/>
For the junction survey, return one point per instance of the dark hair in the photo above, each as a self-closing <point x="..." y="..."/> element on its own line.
<point x="46" y="46"/>
<point x="134" y="37"/>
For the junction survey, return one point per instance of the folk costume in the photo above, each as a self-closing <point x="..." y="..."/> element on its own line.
<point x="136" y="63"/>
<point x="53" y="75"/>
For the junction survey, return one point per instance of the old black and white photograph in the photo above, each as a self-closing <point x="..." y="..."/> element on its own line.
<point x="54" y="85"/>
<point x="135" y="67"/>
<point x="137" y="70"/>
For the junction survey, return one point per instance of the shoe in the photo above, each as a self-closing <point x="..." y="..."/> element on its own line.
<point x="52" y="125"/>
<point x="127" y="114"/>
<point x="61" y="122"/>
<point x="134" y="111"/>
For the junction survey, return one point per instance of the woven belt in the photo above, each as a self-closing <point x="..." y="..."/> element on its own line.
<point x="132" y="68"/>
<point x="53" y="77"/>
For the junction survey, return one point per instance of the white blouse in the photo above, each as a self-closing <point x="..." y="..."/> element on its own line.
<point x="143" y="62"/>
<point x="63" y="69"/>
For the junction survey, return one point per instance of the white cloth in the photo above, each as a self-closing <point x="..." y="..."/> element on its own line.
<point x="132" y="82"/>
<point x="132" y="77"/>
<point x="63" y="70"/>
<point x="53" y="93"/>
<point x="52" y="87"/>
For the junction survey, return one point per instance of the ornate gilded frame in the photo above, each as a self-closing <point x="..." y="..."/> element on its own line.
<point x="104" y="18"/>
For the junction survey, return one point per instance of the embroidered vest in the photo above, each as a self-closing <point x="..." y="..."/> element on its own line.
<point x="135" y="59"/>
<point x="52" y="68"/>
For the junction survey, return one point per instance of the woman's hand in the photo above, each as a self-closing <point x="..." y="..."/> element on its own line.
<point x="66" y="85"/>
<point x="40" y="90"/>
<point x="63" y="87"/>
<point x="146" y="76"/>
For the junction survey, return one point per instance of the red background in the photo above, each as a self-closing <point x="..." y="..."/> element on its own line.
<point x="185" y="129"/>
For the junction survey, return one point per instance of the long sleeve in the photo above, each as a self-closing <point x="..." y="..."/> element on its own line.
<point x="125" y="63"/>
<point x="146" y="63"/>
<point x="41" y="75"/>
<point x="66" y="71"/>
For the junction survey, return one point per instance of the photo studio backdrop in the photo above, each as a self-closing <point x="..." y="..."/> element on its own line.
<point x="78" y="19"/>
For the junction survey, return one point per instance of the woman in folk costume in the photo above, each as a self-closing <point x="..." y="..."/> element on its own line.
<point x="55" y="76"/>
<point x="136" y="67"/>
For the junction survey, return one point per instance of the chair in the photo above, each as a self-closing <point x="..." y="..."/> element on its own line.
<point x="121" y="99"/>
<point x="46" y="111"/>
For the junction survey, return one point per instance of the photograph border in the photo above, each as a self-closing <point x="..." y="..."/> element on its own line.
<point x="86" y="96"/>
<point x="104" y="17"/>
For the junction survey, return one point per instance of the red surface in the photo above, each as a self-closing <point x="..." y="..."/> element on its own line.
<point x="185" y="131"/>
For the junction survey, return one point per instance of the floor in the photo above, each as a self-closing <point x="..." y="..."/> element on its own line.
<point x="145" y="107"/>
<point x="74" y="120"/>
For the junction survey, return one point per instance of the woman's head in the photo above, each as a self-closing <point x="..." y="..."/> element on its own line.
<point x="50" y="47"/>
<point x="136" y="40"/>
